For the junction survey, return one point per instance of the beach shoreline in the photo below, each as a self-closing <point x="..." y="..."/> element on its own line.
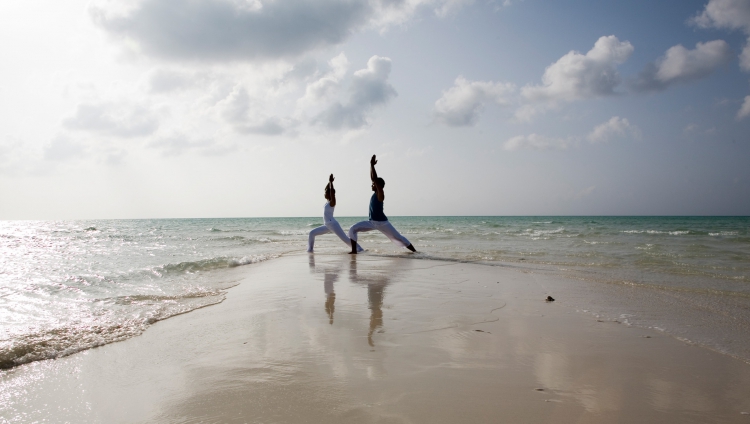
<point x="339" y="338"/>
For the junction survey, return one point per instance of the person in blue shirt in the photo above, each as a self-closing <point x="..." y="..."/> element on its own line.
<point x="378" y="220"/>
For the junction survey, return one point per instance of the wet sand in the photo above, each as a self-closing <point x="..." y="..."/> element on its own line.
<point x="365" y="339"/>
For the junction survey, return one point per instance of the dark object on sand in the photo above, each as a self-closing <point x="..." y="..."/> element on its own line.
<point x="549" y="299"/>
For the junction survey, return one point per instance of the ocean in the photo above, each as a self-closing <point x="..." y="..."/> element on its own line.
<point x="67" y="286"/>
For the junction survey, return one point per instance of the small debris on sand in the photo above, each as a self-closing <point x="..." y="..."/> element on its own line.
<point x="646" y="337"/>
<point x="745" y="413"/>
<point x="539" y="390"/>
<point x="549" y="299"/>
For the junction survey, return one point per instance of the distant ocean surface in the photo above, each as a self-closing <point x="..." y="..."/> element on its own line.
<point x="66" y="286"/>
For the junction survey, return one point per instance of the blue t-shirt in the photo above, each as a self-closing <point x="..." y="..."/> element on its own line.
<point x="376" y="209"/>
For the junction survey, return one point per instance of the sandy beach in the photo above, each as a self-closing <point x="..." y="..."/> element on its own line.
<point x="367" y="339"/>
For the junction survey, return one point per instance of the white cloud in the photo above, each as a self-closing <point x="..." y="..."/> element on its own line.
<point x="61" y="148"/>
<point x="682" y="65"/>
<point x="327" y="86"/>
<point x="616" y="127"/>
<point x="732" y="15"/>
<point x="538" y="142"/>
<point x="574" y="76"/>
<point x="369" y="88"/>
<point x="744" y="111"/>
<point x="238" y="110"/>
<point x="16" y="156"/>
<point x="118" y="120"/>
<point x="167" y="81"/>
<point x="449" y="6"/>
<point x="728" y="14"/>
<point x="178" y="143"/>
<point x="461" y="104"/>
<point x="242" y="30"/>
<point x="578" y="76"/>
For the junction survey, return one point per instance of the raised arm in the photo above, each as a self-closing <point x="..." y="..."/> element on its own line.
<point x="332" y="196"/>
<point x="374" y="178"/>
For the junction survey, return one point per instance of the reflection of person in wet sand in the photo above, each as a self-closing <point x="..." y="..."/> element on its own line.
<point x="330" y="225"/>
<point x="329" y="278"/>
<point x="378" y="220"/>
<point x="375" y="294"/>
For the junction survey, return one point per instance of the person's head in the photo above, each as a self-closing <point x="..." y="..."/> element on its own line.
<point x="329" y="191"/>
<point x="380" y="182"/>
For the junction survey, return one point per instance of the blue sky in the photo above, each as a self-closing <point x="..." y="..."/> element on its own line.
<point x="154" y="108"/>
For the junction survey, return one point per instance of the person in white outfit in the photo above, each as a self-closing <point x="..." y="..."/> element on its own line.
<point x="378" y="220"/>
<point x="330" y="225"/>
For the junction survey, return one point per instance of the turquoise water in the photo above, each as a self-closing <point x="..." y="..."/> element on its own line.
<point x="66" y="286"/>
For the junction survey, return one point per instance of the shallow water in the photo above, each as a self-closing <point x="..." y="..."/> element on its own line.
<point x="71" y="285"/>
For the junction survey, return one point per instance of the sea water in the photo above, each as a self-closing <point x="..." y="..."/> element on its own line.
<point x="66" y="286"/>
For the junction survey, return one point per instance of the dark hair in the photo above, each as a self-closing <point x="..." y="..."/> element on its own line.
<point x="328" y="190"/>
<point x="380" y="182"/>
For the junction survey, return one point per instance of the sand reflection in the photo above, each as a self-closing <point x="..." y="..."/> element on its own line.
<point x="376" y="284"/>
<point x="330" y="272"/>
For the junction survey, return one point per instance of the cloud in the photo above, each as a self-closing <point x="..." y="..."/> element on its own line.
<point x="327" y="86"/>
<point x="238" y="110"/>
<point x="119" y="120"/>
<point x="578" y="76"/>
<point x="574" y="76"/>
<point x="728" y="14"/>
<point x="246" y="30"/>
<point x="744" y="111"/>
<point x="369" y="88"/>
<point x="178" y="143"/>
<point x="61" y="148"/>
<point x="461" y="104"/>
<point x="167" y="81"/>
<point x="219" y="30"/>
<point x="682" y="65"/>
<point x="538" y="142"/>
<point x="301" y="70"/>
<point x="616" y="127"/>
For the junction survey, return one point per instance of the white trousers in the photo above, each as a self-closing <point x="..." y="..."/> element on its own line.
<point x="329" y="227"/>
<point x="384" y="227"/>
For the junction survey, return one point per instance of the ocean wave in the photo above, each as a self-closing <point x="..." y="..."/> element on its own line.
<point x="671" y="233"/>
<point x="724" y="233"/>
<point x="207" y="264"/>
<point x="242" y="240"/>
<point x="293" y="232"/>
<point x="64" y="340"/>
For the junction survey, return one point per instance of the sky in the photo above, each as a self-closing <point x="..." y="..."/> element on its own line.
<point x="242" y="108"/>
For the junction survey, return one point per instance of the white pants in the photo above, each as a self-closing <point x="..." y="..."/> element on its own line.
<point x="329" y="227"/>
<point x="384" y="227"/>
